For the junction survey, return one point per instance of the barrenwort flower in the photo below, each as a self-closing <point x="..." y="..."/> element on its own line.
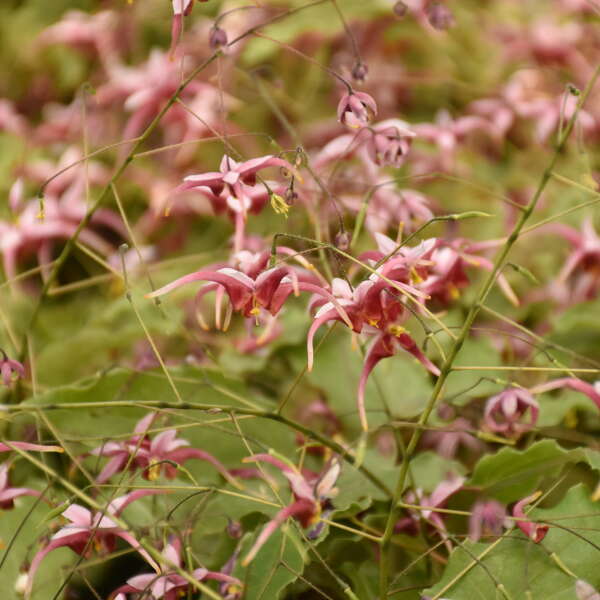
<point x="504" y="412"/>
<point x="356" y="109"/>
<point x="8" y="367"/>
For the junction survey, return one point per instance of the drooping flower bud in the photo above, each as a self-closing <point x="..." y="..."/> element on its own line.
<point x="439" y="16"/>
<point x="342" y="240"/>
<point x="356" y="109"/>
<point x="217" y="38"/>
<point x="360" y="72"/>
<point x="8" y="367"/>
<point x="400" y="9"/>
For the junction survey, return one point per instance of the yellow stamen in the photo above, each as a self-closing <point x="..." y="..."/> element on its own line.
<point x="453" y="291"/>
<point x="154" y="470"/>
<point x="414" y="276"/>
<point x="396" y="330"/>
<point x="279" y="205"/>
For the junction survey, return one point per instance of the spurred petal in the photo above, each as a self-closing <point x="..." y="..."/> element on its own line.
<point x="298" y="508"/>
<point x="532" y="530"/>
<point x="4" y="447"/>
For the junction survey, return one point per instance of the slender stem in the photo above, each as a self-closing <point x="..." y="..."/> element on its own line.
<point x="158" y="405"/>
<point x="384" y="564"/>
<point x="139" y="141"/>
<point x="149" y="548"/>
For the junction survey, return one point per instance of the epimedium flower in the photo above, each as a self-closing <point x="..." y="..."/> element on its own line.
<point x="375" y="307"/>
<point x="84" y="527"/>
<point x="36" y="229"/>
<point x="389" y="142"/>
<point x="311" y="498"/>
<point x="153" y="456"/>
<point x="9" y="366"/>
<point x="448" y="272"/>
<point x="487" y="518"/>
<point x="534" y="531"/>
<point x="578" y="278"/>
<point x="504" y="412"/>
<point x="355" y="109"/>
<point x="447" y="134"/>
<point x="437" y="499"/>
<point x="234" y="185"/>
<point x="168" y="584"/>
<point x="268" y="289"/>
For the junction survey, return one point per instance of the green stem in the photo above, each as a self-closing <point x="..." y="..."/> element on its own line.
<point x="261" y="414"/>
<point x="384" y="564"/>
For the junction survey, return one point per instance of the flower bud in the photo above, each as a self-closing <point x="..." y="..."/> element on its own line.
<point x="360" y="72"/>
<point x="400" y="9"/>
<point x="217" y="38"/>
<point x="439" y="16"/>
<point x="234" y="529"/>
<point x="342" y="240"/>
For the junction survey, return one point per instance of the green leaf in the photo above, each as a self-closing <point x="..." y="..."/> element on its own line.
<point x="512" y="474"/>
<point x="266" y="576"/>
<point x="524" y="567"/>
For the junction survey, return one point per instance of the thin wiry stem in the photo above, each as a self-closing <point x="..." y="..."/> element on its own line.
<point x="447" y="366"/>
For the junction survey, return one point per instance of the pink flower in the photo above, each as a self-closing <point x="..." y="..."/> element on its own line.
<point x="532" y="530"/>
<point x="169" y="585"/>
<point x="153" y="456"/>
<point x="447" y="133"/>
<point x="85" y="526"/>
<point x="448" y="275"/>
<point x="9" y="494"/>
<point x="486" y="518"/>
<point x="233" y="186"/>
<point x="249" y="294"/>
<point x="578" y="280"/>
<point x="389" y="142"/>
<point x="503" y="412"/>
<point x="437" y="499"/>
<point x="9" y="366"/>
<point x="356" y="109"/>
<point x="375" y="305"/>
<point x="82" y="30"/>
<point x="311" y="498"/>
<point x="35" y="232"/>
